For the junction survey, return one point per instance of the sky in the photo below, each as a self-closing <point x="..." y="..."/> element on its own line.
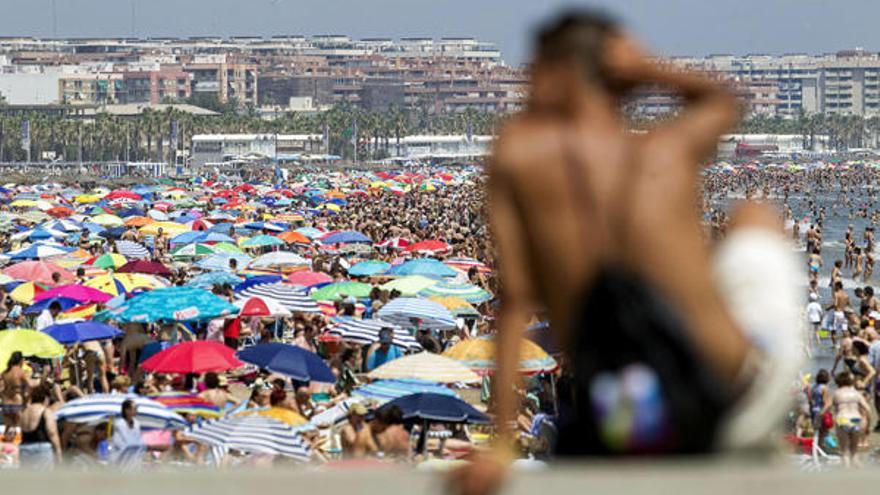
<point x="669" y="27"/>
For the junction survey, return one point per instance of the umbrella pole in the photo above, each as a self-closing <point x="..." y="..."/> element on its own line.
<point x="554" y="394"/>
<point x="422" y="445"/>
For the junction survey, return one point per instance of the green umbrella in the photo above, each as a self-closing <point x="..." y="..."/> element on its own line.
<point x="227" y="247"/>
<point x="192" y="251"/>
<point x="334" y="292"/>
<point x="409" y="286"/>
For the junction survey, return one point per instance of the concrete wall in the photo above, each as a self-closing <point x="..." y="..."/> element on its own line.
<point x="29" y="89"/>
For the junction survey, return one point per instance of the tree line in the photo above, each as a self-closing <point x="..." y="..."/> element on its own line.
<point x="148" y="136"/>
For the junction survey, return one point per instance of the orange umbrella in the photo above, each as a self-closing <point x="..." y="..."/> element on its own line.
<point x="138" y="221"/>
<point x="60" y="212"/>
<point x="294" y="237"/>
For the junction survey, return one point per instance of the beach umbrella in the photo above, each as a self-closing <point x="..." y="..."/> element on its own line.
<point x="158" y="215"/>
<point x="283" y="414"/>
<point x="257" y="280"/>
<point x="121" y="283"/>
<point x="30" y="343"/>
<point x="210" y="279"/>
<point x="108" y="220"/>
<point x="345" y="237"/>
<point x="38" y="251"/>
<point x="139" y="221"/>
<point x="395" y="243"/>
<point x="410" y="312"/>
<point x="336" y="291"/>
<point x="479" y="355"/>
<point x="427" y="267"/>
<point x="311" y="232"/>
<point x="59" y="211"/>
<point x="366" y="332"/>
<point x="132" y="250"/>
<point x="63" y="226"/>
<point x="227" y="247"/>
<point x="456" y="305"/>
<point x="169" y="228"/>
<point x="26" y="292"/>
<point x="252" y="434"/>
<point x="173" y="304"/>
<point x="288" y="360"/>
<point x="107" y="261"/>
<point x="280" y="259"/>
<point x="368" y="268"/>
<point x="425" y="366"/>
<point x="188" y="237"/>
<point x="143" y="266"/>
<point x="308" y="278"/>
<point x="37" y="308"/>
<point x="285" y="295"/>
<point x="123" y="194"/>
<point x="385" y="390"/>
<point x="429" y="247"/>
<point x="198" y="356"/>
<point x="336" y="413"/>
<point x="38" y="271"/>
<point x="220" y="261"/>
<point x="261" y="241"/>
<point x="260" y="306"/>
<point x="443" y="408"/>
<point x="95" y="408"/>
<point x="271" y="227"/>
<point x="293" y="237"/>
<point x="192" y="251"/>
<point x="112" y="233"/>
<point x="410" y="285"/>
<point x="81" y="331"/>
<point x="80" y="293"/>
<point x="184" y="403"/>
<point x="471" y="293"/>
<point x="39" y="234"/>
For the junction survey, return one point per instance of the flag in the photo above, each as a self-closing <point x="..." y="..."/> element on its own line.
<point x="470" y="131"/>
<point x="354" y="136"/>
<point x="325" y="137"/>
<point x="174" y="128"/>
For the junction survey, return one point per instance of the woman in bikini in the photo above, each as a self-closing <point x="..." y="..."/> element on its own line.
<point x="15" y="385"/>
<point x="850" y="416"/>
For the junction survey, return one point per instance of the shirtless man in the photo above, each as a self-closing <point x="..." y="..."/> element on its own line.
<point x="840" y="304"/>
<point x="857" y="264"/>
<point x="216" y="392"/>
<point x="357" y="438"/>
<point x="814" y="264"/>
<point x="637" y="194"/>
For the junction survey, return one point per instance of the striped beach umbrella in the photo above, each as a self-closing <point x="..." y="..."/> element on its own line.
<point x="132" y="250"/>
<point x="183" y="403"/>
<point x="385" y="390"/>
<point x="479" y="355"/>
<point x="366" y="332"/>
<point x="280" y="259"/>
<point x="192" y="251"/>
<point x="100" y="407"/>
<point x="252" y="434"/>
<point x="471" y="293"/>
<point x="410" y="312"/>
<point x="286" y="295"/>
<point x="425" y="366"/>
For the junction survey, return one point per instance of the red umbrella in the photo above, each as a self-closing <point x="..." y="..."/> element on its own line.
<point x="428" y="247"/>
<point x="123" y="194"/>
<point x="143" y="266"/>
<point x="60" y="212"/>
<point x="258" y="306"/>
<point x="395" y="243"/>
<point x="198" y="356"/>
<point x="308" y="278"/>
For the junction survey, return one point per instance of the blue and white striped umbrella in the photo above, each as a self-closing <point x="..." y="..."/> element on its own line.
<point x="132" y="250"/>
<point x="39" y="234"/>
<point x="410" y="312"/>
<point x="284" y="295"/>
<point x="385" y="390"/>
<point x="39" y="250"/>
<point x="254" y="435"/>
<point x="366" y="332"/>
<point x="99" y="407"/>
<point x="62" y="225"/>
<point x="210" y="279"/>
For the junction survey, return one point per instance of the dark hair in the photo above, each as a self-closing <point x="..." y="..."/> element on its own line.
<point x="869" y="290"/>
<point x="390" y="415"/>
<point x="126" y="405"/>
<point x="39" y="394"/>
<point x="577" y="37"/>
<point x="823" y="377"/>
<point x="55" y="306"/>
<point x="844" y="379"/>
<point x="212" y="380"/>
<point x="15" y="359"/>
<point x="277" y="397"/>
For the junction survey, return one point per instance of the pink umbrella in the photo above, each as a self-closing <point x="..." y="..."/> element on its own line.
<point x="38" y="271"/>
<point x="77" y="292"/>
<point x="198" y="356"/>
<point x="309" y="278"/>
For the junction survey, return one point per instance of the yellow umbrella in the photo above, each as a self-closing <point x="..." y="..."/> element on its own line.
<point x="169" y="228"/>
<point x="329" y="206"/>
<point x="30" y="343"/>
<point x="456" y="305"/>
<point x="116" y="283"/>
<point x="78" y="313"/>
<point x="87" y="198"/>
<point x="26" y="292"/>
<point x="479" y="355"/>
<point x="425" y="366"/>
<point x="23" y="203"/>
<point x="108" y="220"/>
<point x="177" y="193"/>
<point x="282" y="414"/>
